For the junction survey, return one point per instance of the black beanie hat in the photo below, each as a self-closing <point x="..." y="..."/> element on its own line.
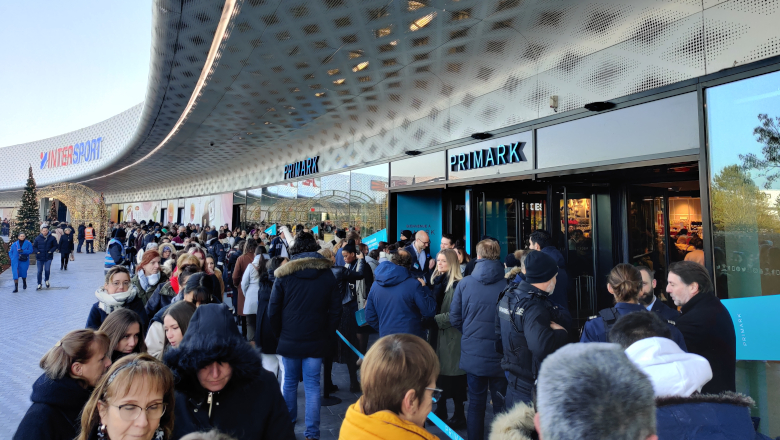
<point x="511" y="261"/>
<point x="539" y="267"/>
<point x="407" y="233"/>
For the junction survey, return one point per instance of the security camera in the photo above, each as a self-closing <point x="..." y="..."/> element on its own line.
<point x="211" y="144"/>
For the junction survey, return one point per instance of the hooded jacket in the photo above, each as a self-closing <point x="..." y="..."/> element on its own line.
<point x="162" y="296"/>
<point x="65" y="245"/>
<point x="305" y="306"/>
<point x="723" y="416"/>
<point x="672" y="371"/>
<point x="515" y="424"/>
<point x="55" y="409"/>
<point x="397" y="302"/>
<point x="146" y="294"/>
<point x="250" y="406"/>
<point x="382" y="425"/>
<point x="265" y="339"/>
<point x="473" y="312"/>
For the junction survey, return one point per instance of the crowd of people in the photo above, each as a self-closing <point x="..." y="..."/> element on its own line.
<point x="206" y="333"/>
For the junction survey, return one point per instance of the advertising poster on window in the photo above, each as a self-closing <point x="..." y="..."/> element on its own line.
<point x="213" y="210"/>
<point x="148" y="211"/>
<point x="171" y="207"/>
<point x="755" y="322"/>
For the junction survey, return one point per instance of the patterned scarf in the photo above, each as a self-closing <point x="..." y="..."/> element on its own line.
<point x="108" y="303"/>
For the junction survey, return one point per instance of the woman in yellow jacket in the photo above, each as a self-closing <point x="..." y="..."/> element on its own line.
<point x="399" y="381"/>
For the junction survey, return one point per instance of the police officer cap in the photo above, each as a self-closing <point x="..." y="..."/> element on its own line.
<point x="539" y="267"/>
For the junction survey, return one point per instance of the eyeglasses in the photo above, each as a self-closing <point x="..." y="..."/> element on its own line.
<point x="122" y="284"/>
<point x="436" y="393"/>
<point x="130" y="412"/>
<point x="424" y="242"/>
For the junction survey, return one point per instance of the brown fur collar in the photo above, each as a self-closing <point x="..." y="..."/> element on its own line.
<point x="293" y="266"/>
<point x="513" y="273"/>
<point x="727" y="397"/>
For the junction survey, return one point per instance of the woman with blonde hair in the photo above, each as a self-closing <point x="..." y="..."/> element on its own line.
<point x="71" y="369"/>
<point x="399" y="385"/>
<point x="135" y="384"/>
<point x="446" y="341"/>
<point x="118" y="293"/>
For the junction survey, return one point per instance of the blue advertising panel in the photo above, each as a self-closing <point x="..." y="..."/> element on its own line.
<point x="755" y="321"/>
<point x="315" y="230"/>
<point x="421" y="211"/>
<point x="372" y="241"/>
<point x="271" y="230"/>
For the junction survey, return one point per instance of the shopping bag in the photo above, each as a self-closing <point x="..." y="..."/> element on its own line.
<point x="72" y="257"/>
<point x="360" y="317"/>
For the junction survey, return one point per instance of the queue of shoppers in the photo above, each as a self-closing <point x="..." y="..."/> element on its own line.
<point x="177" y="349"/>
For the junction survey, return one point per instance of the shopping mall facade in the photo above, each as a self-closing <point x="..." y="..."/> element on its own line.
<point x="614" y="125"/>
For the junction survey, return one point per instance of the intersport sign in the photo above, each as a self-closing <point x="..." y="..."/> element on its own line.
<point x="75" y="154"/>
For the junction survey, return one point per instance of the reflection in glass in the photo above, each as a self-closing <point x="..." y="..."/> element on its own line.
<point x="429" y="168"/>
<point x="368" y="198"/>
<point x="744" y="142"/>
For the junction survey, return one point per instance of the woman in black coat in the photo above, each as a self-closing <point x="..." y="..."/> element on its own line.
<point x="72" y="368"/>
<point x="66" y="247"/>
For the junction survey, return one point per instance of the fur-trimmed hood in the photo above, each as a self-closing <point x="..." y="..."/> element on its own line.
<point x="724" y="416"/>
<point x="513" y="273"/>
<point x="515" y="424"/>
<point x="727" y="397"/>
<point x="212" y="336"/>
<point x="304" y="265"/>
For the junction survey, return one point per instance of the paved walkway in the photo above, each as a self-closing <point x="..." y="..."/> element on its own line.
<point x="33" y="321"/>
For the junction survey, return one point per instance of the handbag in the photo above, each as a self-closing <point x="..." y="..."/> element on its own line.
<point x="72" y="257"/>
<point x="24" y="257"/>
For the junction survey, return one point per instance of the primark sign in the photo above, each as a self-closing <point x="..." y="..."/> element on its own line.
<point x="302" y="168"/>
<point x="502" y="154"/>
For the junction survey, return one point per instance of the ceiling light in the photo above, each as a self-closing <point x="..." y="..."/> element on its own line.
<point x="383" y="32"/>
<point x="355" y="54"/>
<point x="421" y="22"/>
<point x="360" y="66"/>
<point x="415" y="5"/>
<point x="394" y="43"/>
<point x="333" y="71"/>
<point x="339" y="81"/>
<point x="267" y="123"/>
<point x="320" y="94"/>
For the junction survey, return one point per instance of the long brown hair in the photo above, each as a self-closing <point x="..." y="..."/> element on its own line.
<point x="116" y="325"/>
<point x="181" y="312"/>
<point x="118" y="381"/>
<point x="626" y="282"/>
<point x="76" y="346"/>
<point x="394" y="365"/>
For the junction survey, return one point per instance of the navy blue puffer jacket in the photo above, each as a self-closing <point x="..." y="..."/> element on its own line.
<point x="397" y="302"/>
<point x="473" y="312"/>
<point x="706" y="417"/>
<point x="54" y="414"/>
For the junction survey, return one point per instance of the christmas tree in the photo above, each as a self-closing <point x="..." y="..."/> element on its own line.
<point x="28" y="218"/>
<point x="5" y="261"/>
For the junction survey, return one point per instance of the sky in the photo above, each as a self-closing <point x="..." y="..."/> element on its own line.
<point x="70" y="64"/>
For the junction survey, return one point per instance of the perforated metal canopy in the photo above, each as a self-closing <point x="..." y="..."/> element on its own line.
<point x="361" y="81"/>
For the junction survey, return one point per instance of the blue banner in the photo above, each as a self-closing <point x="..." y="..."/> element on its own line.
<point x="755" y="322"/>
<point x="315" y="230"/>
<point x="421" y="211"/>
<point x="271" y="230"/>
<point x="372" y="241"/>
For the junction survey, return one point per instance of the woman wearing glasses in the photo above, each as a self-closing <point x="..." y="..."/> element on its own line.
<point x="117" y="293"/>
<point x="134" y="399"/>
<point x="399" y="385"/>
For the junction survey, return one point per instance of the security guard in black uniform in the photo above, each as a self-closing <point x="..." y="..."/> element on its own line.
<point x="625" y="283"/>
<point x="531" y="326"/>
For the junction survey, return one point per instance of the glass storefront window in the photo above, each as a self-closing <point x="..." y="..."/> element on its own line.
<point x="744" y="155"/>
<point x="429" y="168"/>
<point x="368" y="198"/>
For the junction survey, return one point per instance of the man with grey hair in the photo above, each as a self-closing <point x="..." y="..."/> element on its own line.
<point x="592" y="391"/>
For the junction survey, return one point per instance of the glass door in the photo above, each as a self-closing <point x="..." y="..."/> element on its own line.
<point x="498" y="219"/>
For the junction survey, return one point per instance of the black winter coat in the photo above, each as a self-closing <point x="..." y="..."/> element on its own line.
<point x="265" y="339"/>
<point x="66" y="243"/>
<point x="54" y="414"/>
<point x="82" y="232"/>
<point x="249" y="407"/>
<point x="523" y="321"/>
<point x="162" y="297"/>
<point x="305" y="306"/>
<point x="709" y="332"/>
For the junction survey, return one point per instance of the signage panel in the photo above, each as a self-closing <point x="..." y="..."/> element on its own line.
<point x="302" y="168"/>
<point x="372" y="241"/>
<point x="421" y="211"/>
<point x="77" y="153"/>
<point x="508" y="154"/>
<point x="755" y="324"/>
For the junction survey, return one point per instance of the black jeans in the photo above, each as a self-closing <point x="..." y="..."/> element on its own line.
<point x="90" y="246"/>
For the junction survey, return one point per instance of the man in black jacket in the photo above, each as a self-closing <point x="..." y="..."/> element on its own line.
<point x="44" y="246"/>
<point x="705" y="323"/>
<point x="304" y="310"/>
<point x="221" y="383"/>
<point x="647" y="296"/>
<point x="529" y="325"/>
<point x="81" y="236"/>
